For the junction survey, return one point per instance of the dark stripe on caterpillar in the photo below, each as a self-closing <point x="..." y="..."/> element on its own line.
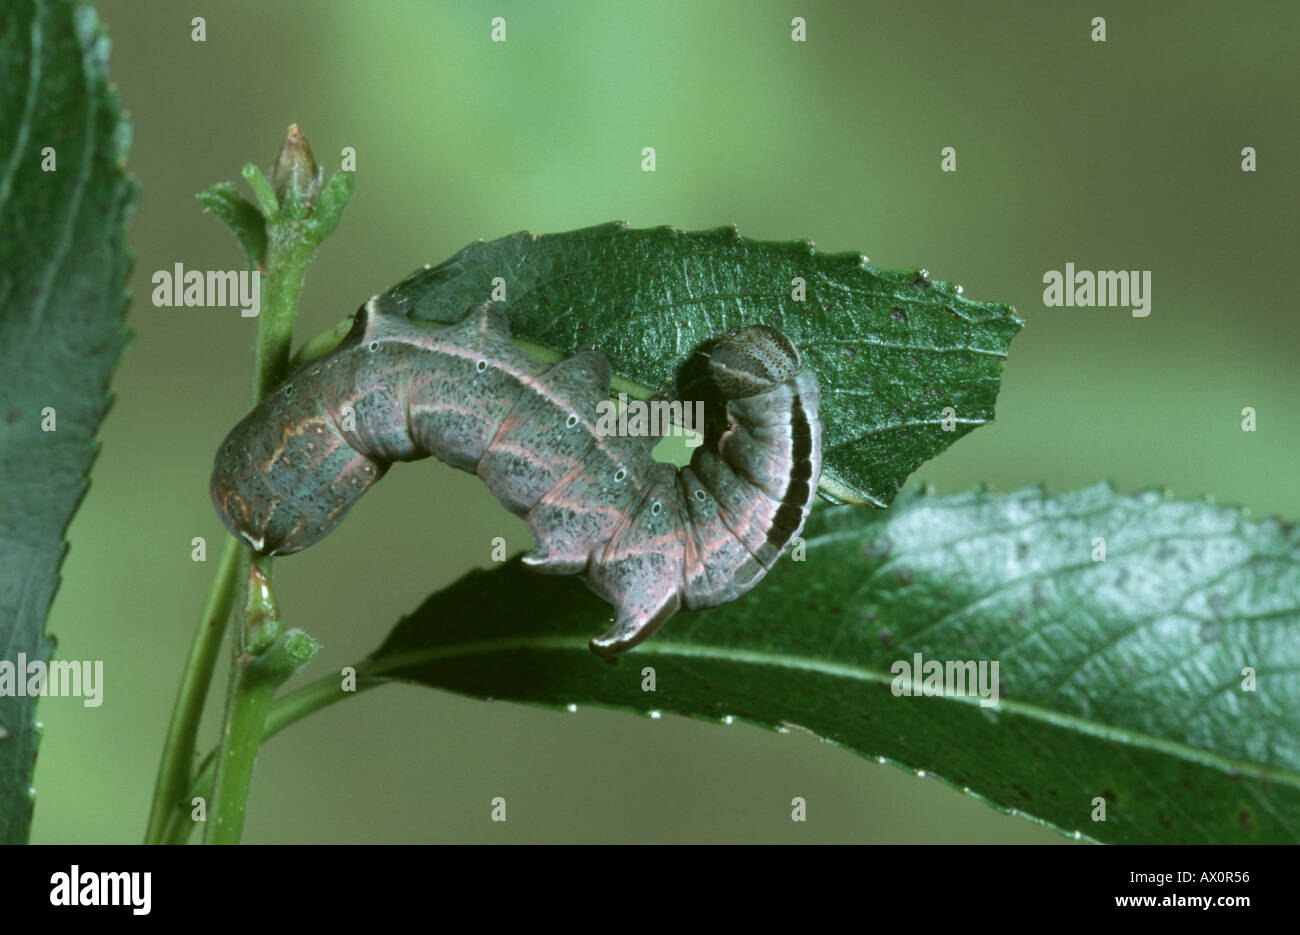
<point x="790" y="516"/>
<point x="646" y="537"/>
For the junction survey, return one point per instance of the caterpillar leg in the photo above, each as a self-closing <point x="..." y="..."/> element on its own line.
<point x="631" y="628"/>
<point x="640" y="570"/>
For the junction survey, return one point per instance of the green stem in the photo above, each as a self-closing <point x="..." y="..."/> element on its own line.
<point x="284" y="711"/>
<point x="260" y="666"/>
<point x="250" y="692"/>
<point x="254" y="680"/>
<point x="251" y="688"/>
<point x="281" y="237"/>
<point x="178" y="749"/>
<point x="288" y="253"/>
<point x="247" y="700"/>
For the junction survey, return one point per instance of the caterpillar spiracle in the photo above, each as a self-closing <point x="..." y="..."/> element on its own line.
<point x="649" y="538"/>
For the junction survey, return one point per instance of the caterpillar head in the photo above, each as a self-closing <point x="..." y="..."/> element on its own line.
<point x="281" y="486"/>
<point x="288" y="472"/>
<point x="752" y="360"/>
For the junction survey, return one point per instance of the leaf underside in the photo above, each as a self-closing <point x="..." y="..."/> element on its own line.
<point x="1120" y="680"/>
<point x="63" y="267"/>
<point x="892" y="349"/>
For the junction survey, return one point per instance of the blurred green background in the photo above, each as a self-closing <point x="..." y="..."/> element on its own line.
<point x="1115" y="155"/>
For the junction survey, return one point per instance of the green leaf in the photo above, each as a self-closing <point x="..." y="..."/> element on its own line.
<point x="331" y="203"/>
<point x="892" y="349"/>
<point x="63" y="267"/>
<point x="1120" y="680"/>
<point x="261" y="187"/>
<point x="241" y="216"/>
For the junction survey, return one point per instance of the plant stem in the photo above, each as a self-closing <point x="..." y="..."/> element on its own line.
<point x="287" y="256"/>
<point x="252" y="684"/>
<point x="254" y="680"/>
<point x="281" y="233"/>
<point x="178" y="749"/>
<point x="283" y="711"/>
<point x="247" y="699"/>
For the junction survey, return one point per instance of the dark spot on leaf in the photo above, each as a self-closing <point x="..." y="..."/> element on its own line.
<point x="898" y="314"/>
<point x="1165" y="552"/>
<point x="1109" y="795"/>
<point x="1039" y="600"/>
<point x="13" y="415"/>
<point x="1165" y="821"/>
<point x="904" y="575"/>
<point x="877" y="549"/>
<point x="920" y="282"/>
<point x="1209" y="632"/>
<point x="1245" y="819"/>
<point x="886" y="639"/>
<point x="850" y="353"/>
<point x="1218" y="602"/>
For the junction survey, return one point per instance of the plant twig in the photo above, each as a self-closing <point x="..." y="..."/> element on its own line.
<point x="283" y="711"/>
<point x="265" y="658"/>
<point x="178" y="750"/>
<point x="281" y="235"/>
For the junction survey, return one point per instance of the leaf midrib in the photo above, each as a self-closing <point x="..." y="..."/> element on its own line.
<point x="838" y="670"/>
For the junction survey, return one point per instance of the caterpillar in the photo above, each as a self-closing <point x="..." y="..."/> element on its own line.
<point x="647" y="537"/>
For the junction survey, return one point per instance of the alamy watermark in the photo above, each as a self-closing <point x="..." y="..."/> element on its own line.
<point x="218" y="288"/>
<point x="1124" y="288"/>
<point x="954" y="678"/>
<point x="656" y="417"/>
<point x="69" y="678"/>
<point x="80" y="887"/>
